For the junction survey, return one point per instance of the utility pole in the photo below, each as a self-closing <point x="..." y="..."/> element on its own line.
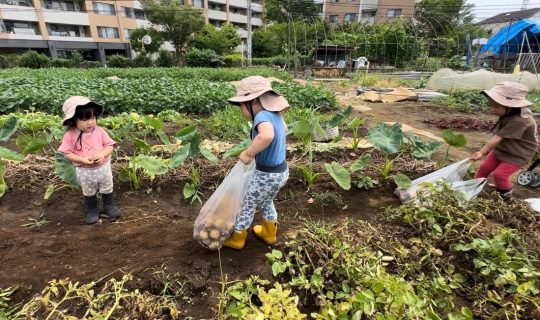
<point x="248" y="40"/>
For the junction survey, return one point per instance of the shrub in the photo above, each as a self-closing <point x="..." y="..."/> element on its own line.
<point x="165" y="59"/>
<point x="76" y="59"/>
<point x="142" y="61"/>
<point x="90" y="64"/>
<point x="234" y="60"/>
<point x="118" y="61"/>
<point x="61" y="63"/>
<point x="203" y="58"/>
<point x="4" y="62"/>
<point x="34" y="60"/>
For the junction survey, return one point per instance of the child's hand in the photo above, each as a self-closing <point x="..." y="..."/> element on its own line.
<point x="97" y="159"/>
<point x="477" y="155"/>
<point x="245" y="158"/>
<point x="86" y="161"/>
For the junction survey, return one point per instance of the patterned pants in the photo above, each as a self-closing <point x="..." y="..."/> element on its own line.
<point x="95" y="179"/>
<point x="261" y="190"/>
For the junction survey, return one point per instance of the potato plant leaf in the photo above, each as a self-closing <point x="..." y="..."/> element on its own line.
<point x="237" y="149"/>
<point x="452" y="139"/>
<point x="361" y="163"/>
<point x="152" y="165"/>
<point x="180" y="156"/>
<point x="402" y="181"/>
<point x="6" y="154"/>
<point x="338" y="118"/>
<point x="208" y="155"/>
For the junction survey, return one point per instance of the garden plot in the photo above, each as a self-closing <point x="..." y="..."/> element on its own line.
<point x="346" y="247"/>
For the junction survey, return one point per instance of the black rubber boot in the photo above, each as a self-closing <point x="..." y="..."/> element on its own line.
<point x="92" y="210"/>
<point x="506" y="195"/>
<point x="111" y="210"/>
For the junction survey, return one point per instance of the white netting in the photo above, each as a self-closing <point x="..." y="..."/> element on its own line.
<point x="447" y="80"/>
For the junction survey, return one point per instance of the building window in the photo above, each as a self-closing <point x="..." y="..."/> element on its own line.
<point x="127" y="33"/>
<point x="21" y="27"/>
<point x="335" y="1"/>
<point x="392" y="13"/>
<point x="64" y="30"/>
<point x="333" y="18"/>
<point x="215" y="23"/>
<point x="257" y="15"/>
<point x="369" y="14"/>
<point x="139" y="14"/>
<point x="62" y="5"/>
<point x="236" y="10"/>
<point x="127" y="12"/>
<point x="198" y="3"/>
<point x="22" y="3"/>
<point x="216" y="6"/>
<point x="350" y="17"/>
<point x="104" y="8"/>
<point x="108" y="32"/>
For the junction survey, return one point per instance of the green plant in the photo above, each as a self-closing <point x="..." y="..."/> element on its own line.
<point x="355" y="125"/>
<point x="191" y="142"/>
<point x="61" y="63"/>
<point x="203" y="58"/>
<point x="119" y="61"/>
<point x="36" y="224"/>
<point x="467" y="101"/>
<point x="142" y="165"/>
<point x="4" y="62"/>
<point x="191" y="189"/>
<point x="388" y="140"/>
<point x="7" y="311"/>
<point x="34" y="60"/>
<point x="142" y="60"/>
<point x="66" y="171"/>
<point x="344" y="179"/>
<point x="165" y="59"/>
<point x="76" y="59"/>
<point x="452" y="140"/>
<point x="422" y="150"/>
<point x="274" y="303"/>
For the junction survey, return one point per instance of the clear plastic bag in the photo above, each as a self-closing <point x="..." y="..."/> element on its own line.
<point x="215" y="221"/>
<point x="452" y="174"/>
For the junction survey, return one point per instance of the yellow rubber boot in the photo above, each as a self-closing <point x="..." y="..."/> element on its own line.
<point x="236" y="240"/>
<point x="267" y="231"/>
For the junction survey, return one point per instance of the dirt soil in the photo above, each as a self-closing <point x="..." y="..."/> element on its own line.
<point x="156" y="227"/>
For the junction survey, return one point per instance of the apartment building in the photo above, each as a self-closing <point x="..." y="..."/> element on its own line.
<point x="365" y="11"/>
<point x="97" y="28"/>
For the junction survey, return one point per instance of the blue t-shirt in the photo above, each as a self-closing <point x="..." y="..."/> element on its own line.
<point x="275" y="153"/>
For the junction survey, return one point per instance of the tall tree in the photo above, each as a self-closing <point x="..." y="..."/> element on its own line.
<point x="283" y="10"/>
<point x="441" y="17"/>
<point x="175" y="21"/>
<point x="221" y="41"/>
<point x="136" y="37"/>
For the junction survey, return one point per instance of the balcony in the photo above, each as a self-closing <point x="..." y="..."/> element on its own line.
<point x="18" y="3"/>
<point x="256" y="22"/>
<point x="217" y="15"/>
<point x="217" y="1"/>
<point x="64" y="32"/>
<point x="66" y="17"/>
<point x="237" y="18"/>
<point x="22" y="13"/>
<point x="238" y="3"/>
<point x="257" y="7"/>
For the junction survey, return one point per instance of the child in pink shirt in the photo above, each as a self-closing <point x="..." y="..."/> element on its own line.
<point x="89" y="148"/>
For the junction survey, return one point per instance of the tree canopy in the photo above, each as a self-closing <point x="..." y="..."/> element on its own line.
<point x="222" y="41"/>
<point x="281" y="10"/>
<point x="138" y="33"/>
<point x="176" y="22"/>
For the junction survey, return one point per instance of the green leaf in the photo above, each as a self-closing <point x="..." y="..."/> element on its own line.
<point x="467" y="313"/>
<point x="49" y="192"/>
<point x="454" y="140"/>
<point x="3" y="189"/>
<point x="6" y="154"/>
<point x="152" y="165"/>
<point x="65" y="170"/>
<point x="237" y="149"/>
<point x="180" y="156"/>
<point x="423" y="150"/>
<point x="386" y="138"/>
<point x="402" y="181"/>
<point x="163" y="137"/>
<point x="340" y="174"/>
<point x="186" y="133"/>
<point x="361" y="163"/>
<point x="141" y="145"/>
<point x="33" y="144"/>
<point x="189" y="190"/>
<point x="155" y="123"/>
<point x="302" y="130"/>
<point x="9" y="127"/>
<point x="355" y="123"/>
<point x="432" y="315"/>
<point x="209" y="155"/>
<point x="340" y="117"/>
<point x="124" y="175"/>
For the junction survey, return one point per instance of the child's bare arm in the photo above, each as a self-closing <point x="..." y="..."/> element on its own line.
<point x="261" y="142"/>
<point x="490" y="145"/>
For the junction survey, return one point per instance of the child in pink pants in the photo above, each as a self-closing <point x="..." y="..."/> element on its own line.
<point x="514" y="140"/>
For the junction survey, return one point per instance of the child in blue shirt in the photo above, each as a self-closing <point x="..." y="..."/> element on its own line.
<point x="260" y="104"/>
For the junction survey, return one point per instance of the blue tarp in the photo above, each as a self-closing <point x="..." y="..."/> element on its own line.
<point x="509" y="38"/>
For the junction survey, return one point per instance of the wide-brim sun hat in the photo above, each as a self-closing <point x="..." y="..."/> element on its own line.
<point x="509" y="94"/>
<point x="254" y="87"/>
<point x="71" y="104"/>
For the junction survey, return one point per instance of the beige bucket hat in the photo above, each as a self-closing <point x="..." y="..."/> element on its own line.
<point x="254" y="87"/>
<point x="70" y="106"/>
<point x="509" y="94"/>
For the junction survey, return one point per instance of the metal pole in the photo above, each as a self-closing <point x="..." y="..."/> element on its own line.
<point x="248" y="40"/>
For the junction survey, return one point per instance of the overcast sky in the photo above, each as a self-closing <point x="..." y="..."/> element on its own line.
<point x="488" y="8"/>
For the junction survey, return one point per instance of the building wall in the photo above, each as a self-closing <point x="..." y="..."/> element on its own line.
<point x="385" y="7"/>
<point x="367" y="11"/>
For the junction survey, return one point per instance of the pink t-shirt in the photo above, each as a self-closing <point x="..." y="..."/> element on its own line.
<point x="92" y="143"/>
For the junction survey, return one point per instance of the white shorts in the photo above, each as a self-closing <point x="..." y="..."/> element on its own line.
<point x="96" y="179"/>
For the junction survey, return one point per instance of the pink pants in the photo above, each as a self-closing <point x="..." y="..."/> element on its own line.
<point x="501" y="171"/>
